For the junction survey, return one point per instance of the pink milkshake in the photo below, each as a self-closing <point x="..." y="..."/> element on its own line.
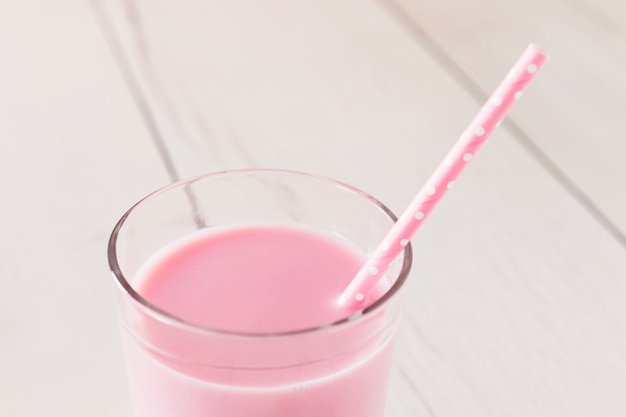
<point x="242" y="320"/>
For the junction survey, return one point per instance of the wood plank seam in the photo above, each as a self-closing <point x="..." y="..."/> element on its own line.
<point x="112" y="40"/>
<point x="448" y="64"/>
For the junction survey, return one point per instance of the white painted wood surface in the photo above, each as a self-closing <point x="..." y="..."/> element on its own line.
<point x="575" y="125"/>
<point x="516" y="304"/>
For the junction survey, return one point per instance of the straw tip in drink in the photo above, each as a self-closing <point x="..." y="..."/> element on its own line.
<point x="352" y="302"/>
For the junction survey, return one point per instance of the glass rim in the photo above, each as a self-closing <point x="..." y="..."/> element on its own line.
<point x="168" y="318"/>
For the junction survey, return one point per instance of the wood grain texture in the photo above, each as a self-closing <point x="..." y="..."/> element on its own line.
<point x="74" y="155"/>
<point x="515" y="305"/>
<point x="576" y="127"/>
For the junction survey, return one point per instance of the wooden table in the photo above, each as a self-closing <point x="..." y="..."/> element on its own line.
<point x="517" y="303"/>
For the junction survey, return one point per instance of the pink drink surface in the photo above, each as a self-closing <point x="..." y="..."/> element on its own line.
<point x="258" y="279"/>
<point x="253" y="279"/>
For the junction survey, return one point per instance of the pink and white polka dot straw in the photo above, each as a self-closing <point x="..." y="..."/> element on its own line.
<point x="489" y="116"/>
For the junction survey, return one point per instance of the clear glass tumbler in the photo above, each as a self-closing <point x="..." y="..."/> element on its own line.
<point x="180" y="369"/>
